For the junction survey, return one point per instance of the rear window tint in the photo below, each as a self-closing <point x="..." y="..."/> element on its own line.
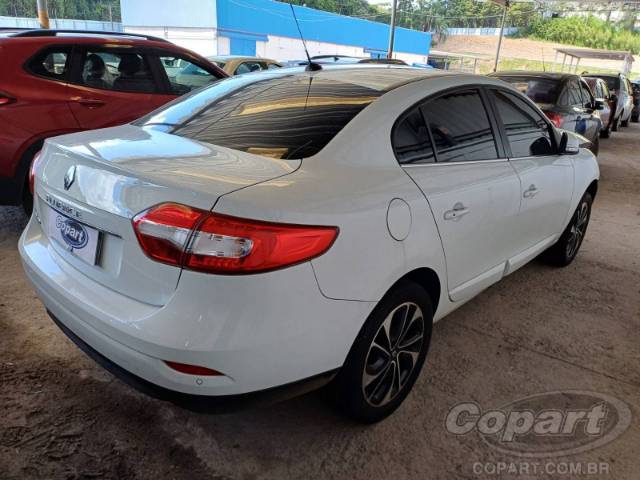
<point x="540" y="90"/>
<point x="280" y="117"/>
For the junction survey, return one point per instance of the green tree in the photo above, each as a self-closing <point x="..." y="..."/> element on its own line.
<point x="104" y="10"/>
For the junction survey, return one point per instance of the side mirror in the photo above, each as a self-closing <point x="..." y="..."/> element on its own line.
<point x="614" y="97"/>
<point x="598" y="104"/>
<point x="568" y="145"/>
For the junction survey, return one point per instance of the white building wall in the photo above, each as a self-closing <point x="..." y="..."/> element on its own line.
<point x="200" y="40"/>
<point x="224" y="45"/>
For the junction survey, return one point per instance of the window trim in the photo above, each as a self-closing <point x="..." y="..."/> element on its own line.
<point x="69" y="64"/>
<point x="503" y="130"/>
<point x="80" y="53"/>
<point x="498" y="141"/>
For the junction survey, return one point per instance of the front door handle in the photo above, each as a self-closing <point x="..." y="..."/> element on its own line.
<point x="530" y="192"/>
<point x="90" y="102"/>
<point x="459" y="210"/>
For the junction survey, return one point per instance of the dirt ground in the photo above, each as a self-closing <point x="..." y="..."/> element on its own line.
<point x="539" y="330"/>
<point x="521" y="48"/>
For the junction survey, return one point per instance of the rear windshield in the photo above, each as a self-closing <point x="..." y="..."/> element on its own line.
<point x="279" y="116"/>
<point x="612" y="82"/>
<point x="540" y="90"/>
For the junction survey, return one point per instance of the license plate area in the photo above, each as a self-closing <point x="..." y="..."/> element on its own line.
<point x="77" y="238"/>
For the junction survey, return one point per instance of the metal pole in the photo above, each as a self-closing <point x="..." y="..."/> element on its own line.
<point x="392" y="29"/>
<point x="43" y="13"/>
<point x="504" y="18"/>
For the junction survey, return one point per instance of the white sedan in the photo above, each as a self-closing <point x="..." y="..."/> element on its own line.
<point x="276" y="232"/>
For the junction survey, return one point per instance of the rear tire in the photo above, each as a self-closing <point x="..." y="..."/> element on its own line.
<point x="595" y="145"/>
<point x="563" y="252"/>
<point x="606" y="133"/>
<point x="27" y="200"/>
<point x="616" y="124"/>
<point x="387" y="356"/>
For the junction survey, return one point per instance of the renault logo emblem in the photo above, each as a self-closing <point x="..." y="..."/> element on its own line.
<point x="69" y="177"/>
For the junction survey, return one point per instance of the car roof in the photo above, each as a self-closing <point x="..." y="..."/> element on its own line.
<point x="379" y="77"/>
<point x="81" y="34"/>
<point x="560" y="76"/>
<point x="238" y="57"/>
<point x="602" y="75"/>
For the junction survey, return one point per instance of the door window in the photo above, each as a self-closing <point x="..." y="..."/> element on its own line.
<point x="117" y="70"/>
<point x="184" y="75"/>
<point x="587" y="99"/>
<point x="460" y="127"/>
<point x="575" y="98"/>
<point x="411" y="142"/>
<point x="273" y="66"/>
<point x="597" y="91"/>
<point x="51" y="63"/>
<point x="248" y="67"/>
<point x="527" y="132"/>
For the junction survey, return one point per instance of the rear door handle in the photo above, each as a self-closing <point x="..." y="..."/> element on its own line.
<point x="90" y="102"/>
<point x="459" y="210"/>
<point x="530" y="192"/>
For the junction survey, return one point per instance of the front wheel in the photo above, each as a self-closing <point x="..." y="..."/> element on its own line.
<point x="387" y="356"/>
<point x="595" y="145"/>
<point x="566" y="248"/>
<point x="624" y="123"/>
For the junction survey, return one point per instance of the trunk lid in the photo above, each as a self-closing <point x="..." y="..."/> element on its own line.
<point x="115" y="173"/>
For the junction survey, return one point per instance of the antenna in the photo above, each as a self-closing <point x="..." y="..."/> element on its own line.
<point x="311" y="66"/>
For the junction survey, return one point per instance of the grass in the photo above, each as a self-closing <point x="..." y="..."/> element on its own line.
<point x="485" y="67"/>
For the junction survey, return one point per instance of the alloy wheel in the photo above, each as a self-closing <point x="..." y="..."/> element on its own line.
<point x="578" y="229"/>
<point x="393" y="354"/>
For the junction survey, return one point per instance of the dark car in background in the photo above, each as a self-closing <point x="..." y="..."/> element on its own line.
<point x="565" y="98"/>
<point x="619" y="86"/>
<point x="55" y="82"/>
<point x="635" y="113"/>
<point x="601" y="93"/>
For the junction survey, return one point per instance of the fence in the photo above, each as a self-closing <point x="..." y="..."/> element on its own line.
<point x="61" y="24"/>
<point x="481" y="31"/>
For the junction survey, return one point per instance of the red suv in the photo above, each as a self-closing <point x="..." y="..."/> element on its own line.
<point x="55" y="82"/>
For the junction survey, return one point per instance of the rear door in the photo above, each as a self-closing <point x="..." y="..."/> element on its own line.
<point x="44" y="93"/>
<point x="546" y="178"/>
<point x="112" y="86"/>
<point x="473" y="190"/>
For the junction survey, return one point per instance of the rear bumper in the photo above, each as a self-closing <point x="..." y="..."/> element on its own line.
<point x="194" y="402"/>
<point x="261" y="331"/>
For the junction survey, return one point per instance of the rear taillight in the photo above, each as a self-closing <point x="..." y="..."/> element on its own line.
<point x="32" y="171"/>
<point x="6" y="99"/>
<point x="555" y="118"/>
<point x="193" y="369"/>
<point x="214" y="243"/>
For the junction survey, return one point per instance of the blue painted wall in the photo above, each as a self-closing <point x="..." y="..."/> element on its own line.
<point x="262" y="17"/>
